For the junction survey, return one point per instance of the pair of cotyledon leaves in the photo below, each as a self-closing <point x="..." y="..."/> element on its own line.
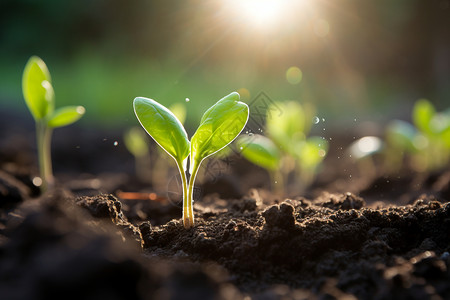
<point x="40" y="97"/>
<point x="219" y="126"/>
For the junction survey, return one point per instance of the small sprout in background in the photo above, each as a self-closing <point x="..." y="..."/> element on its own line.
<point x="427" y="142"/>
<point x="300" y="154"/>
<point x="136" y="142"/>
<point x="311" y="152"/>
<point x="400" y="139"/>
<point x="261" y="151"/>
<point x="219" y="126"/>
<point x="363" y="151"/>
<point x="40" y="99"/>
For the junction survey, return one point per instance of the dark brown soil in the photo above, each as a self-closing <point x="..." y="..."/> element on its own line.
<point x="388" y="239"/>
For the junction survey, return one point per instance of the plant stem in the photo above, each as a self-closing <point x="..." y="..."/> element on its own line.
<point x="182" y="170"/>
<point x="188" y="210"/>
<point x="44" y="135"/>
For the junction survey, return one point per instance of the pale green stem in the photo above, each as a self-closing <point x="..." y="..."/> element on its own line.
<point x="44" y="134"/>
<point x="185" y="194"/>
<point x="188" y="209"/>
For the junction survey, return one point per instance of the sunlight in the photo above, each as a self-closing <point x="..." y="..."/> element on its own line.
<point x="261" y="12"/>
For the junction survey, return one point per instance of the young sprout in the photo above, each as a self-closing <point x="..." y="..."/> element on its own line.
<point x="261" y="151"/>
<point x="427" y="144"/>
<point x="434" y="128"/>
<point x="310" y="154"/>
<point x="219" y="126"/>
<point x="289" y="131"/>
<point x="40" y="99"/>
<point x="400" y="138"/>
<point x="136" y="142"/>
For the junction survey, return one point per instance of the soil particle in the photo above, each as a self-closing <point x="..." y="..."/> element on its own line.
<point x="281" y="216"/>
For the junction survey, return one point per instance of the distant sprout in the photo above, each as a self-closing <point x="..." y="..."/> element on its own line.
<point x="427" y="144"/>
<point x="292" y="124"/>
<point x="423" y="114"/>
<point x="261" y="151"/>
<point x="363" y="150"/>
<point x="40" y="99"/>
<point x="219" y="126"/>
<point x="310" y="154"/>
<point x="136" y="141"/>
<point x="289" y="131"/>
<point x="401" y="140"/>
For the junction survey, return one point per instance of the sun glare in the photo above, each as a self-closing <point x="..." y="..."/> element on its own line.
<point x="260" y="12"/>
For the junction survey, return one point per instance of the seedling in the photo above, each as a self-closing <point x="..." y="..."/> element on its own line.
<point x="219" y="126"/>
<point x="427" y="142"/>
<point x="289" y="131"/>
<point x="261" y="151"/>
<point x="40" y="99"/>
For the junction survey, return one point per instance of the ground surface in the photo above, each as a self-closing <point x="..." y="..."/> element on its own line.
<point x="377" y="238"/>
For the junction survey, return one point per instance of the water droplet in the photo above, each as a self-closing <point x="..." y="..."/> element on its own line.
<point x="37" y="181"/>
<point x="323" y="119"/>
<point x="187" y="100"/>
<point x="355" y="119"/>
<point x="250" y="134"/>
<point x="241" y="148"/>
<point x="116" y="143"/>
<point x="350" y="175"/>
<point x="276" y="181"/>
<point x="316" y="120"/>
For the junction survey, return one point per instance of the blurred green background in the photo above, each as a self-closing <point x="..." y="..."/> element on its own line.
<point x="368" y="60"/>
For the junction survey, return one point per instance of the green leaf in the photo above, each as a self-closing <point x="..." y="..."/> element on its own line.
<point x="37" y="88"/>
<point x="291" y="125"/>
<point x="136" y="141"/>
<point x="260" y="150"/>
<point x="312" y="152"/>
<point x="162" y="125"/>
<point x="219" y="126"/>
<point x="65" y="116"/>
<point x="401" y="135"/>
<point x="423" y="113"/>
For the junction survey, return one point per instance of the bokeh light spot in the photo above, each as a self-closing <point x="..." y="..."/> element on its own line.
<point x="244" y="93"/>
<point x="294" y="75"/>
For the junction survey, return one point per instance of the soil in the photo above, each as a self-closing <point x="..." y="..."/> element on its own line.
<point x="379" y="237"/>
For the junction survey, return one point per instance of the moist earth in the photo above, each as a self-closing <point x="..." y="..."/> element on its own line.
<point x="385" y="238"/>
